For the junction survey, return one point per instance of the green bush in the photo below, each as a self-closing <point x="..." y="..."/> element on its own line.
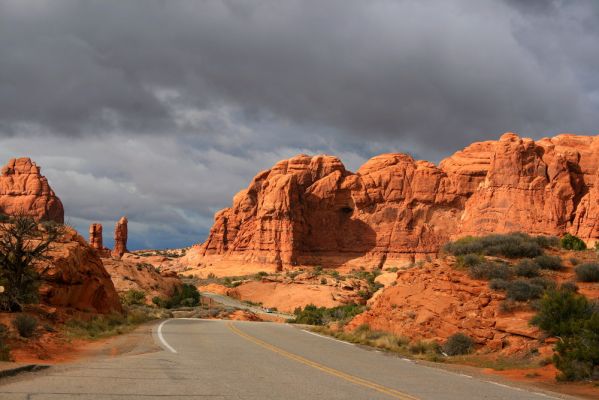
<point x="312" y="315"/>
<point x="470" y="260"/>
<point x="577" y="356"/>
<point x="545" y="261"/>
<point x="490" y="270"/>
<point x="575" y="320"/>
<point x="133" y="297"/>
<point x="560" y="312"/>
<point x="25" y="325"/>
<point x="458" y="344"/>
<point x="513" y="245"/>
<point x="187" y="296"/>
<point x="522" y="290"/>
<point x="527" y="268"/>
<point x="588" y="272"/>
<point x="571" y="242"/>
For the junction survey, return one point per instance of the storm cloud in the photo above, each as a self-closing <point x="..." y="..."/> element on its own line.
<point x="162" y="110"/>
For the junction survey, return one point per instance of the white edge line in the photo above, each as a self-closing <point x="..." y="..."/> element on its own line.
<point x="159" y="333"/>
<point x="330" y="338"/>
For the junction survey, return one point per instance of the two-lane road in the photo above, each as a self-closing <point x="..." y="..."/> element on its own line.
<point x="211" y="359"/>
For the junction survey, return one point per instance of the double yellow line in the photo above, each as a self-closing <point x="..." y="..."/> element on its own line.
<point x="331" y="371"/>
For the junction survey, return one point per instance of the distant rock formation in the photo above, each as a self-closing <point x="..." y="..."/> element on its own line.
<point x="394" y="209"/>
<point x="23" y="190"/>
<point x="120" y="238"/>
<point x="95" y="236"/>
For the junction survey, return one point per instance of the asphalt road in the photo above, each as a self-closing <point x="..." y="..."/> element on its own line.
<point x="231" y="302"/>
<point x="212" y="359"/>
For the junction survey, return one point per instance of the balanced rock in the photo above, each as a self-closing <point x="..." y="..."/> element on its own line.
<point x="23" y="190"/>
<point x="120" y="238"/>
<point x="394" y="209"/>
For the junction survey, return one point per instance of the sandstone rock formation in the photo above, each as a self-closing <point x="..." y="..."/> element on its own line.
<point x="95" y="236"/>
<point x="120" y="238"/>
<point x="135" y="274"/>
<point x="23" y="190"/>
<point x="434" y="301"/>
<point x="394" y="209"/>
<point x="75" y="277"/>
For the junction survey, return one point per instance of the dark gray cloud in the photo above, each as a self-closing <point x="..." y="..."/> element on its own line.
<point x="163" y="109"/>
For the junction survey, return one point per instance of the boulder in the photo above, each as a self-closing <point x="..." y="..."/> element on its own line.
<point x="74" y="277"/>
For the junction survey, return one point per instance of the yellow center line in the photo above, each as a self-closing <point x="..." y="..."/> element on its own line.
<point x="350" y="378"/>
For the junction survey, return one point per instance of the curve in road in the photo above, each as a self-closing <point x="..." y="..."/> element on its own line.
<point x="213" y="359"/>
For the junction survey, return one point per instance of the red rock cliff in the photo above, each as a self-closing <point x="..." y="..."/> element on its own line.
<point x="311" y="210"/>
<point x="24" y="190"/>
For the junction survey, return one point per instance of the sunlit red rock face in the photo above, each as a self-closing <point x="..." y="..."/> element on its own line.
<point x="311" y="210"/>
<point x="23" y="190"/>
<point x="75" y="277"/>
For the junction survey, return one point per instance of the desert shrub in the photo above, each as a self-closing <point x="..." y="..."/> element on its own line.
<point x="522" y="290"/>
<point x="588" y="272"/>
<point x="543" y="282"/>
<point x="470" y="260"/>
<point x="4" y="218"/>
<point x="107" y="325"/>
<point x="490" y="270"/>
<point x="571" y="242"/>
<point x="511" y="245"/>
<point x="133" y="297"/>
<point x="458" y="344"/>
<point x="547" y="241"/>
<point x="545" y="261"/>
<point x="25" y="325"/>
<point x="418" y="347"/>
<point x="232" y="282"/>
<point x="527" y="268"/>
<point x="323" y="281"/>
<point x="260" y="275"/>
<point x="560" y="312"/>
<point x="312" y="315"/>
<point x="498" y="284"/>
<point x="575" y="320"/>
<point x="577" y="356"/>
<point x="569" y="287"/>
<point x="187" y="296"/>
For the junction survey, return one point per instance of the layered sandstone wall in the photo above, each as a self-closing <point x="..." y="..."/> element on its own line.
<point x="23" y="190"/>
<point x="311" y="210"/>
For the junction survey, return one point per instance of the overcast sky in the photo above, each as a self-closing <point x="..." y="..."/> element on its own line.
<point x="162" y="110"/>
